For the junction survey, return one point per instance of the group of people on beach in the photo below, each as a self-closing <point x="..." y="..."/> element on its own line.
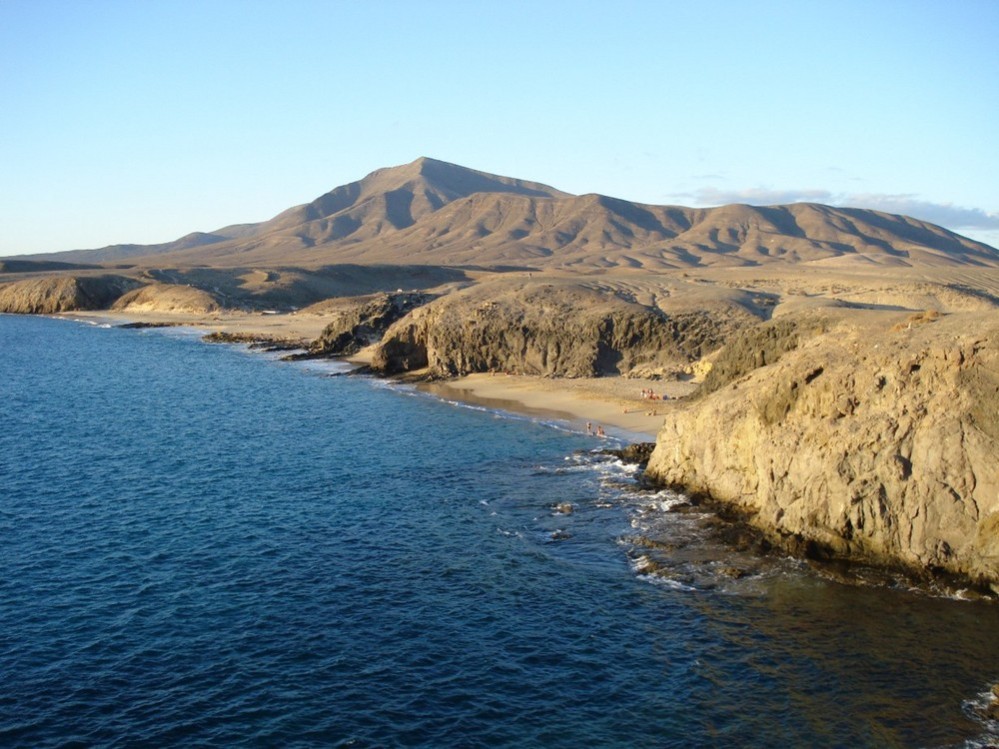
<point x="647" y="394"/>
<point x="650" y="394"/>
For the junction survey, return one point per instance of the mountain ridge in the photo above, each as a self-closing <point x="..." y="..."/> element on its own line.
<point x="435" y="212"/>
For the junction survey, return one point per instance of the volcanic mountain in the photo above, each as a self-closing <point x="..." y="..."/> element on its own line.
<point x="431" y="212"/>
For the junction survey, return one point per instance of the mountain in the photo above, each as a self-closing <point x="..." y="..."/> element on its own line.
<point x="435" y="213"/>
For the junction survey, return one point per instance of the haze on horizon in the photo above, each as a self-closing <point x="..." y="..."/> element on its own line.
<point x="139" y="123"/>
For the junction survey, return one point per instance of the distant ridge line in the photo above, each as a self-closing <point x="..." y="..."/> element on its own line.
<point x="437" y="213"/>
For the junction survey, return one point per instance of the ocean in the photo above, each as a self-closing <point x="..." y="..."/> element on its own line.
<point x="202" y="545"/>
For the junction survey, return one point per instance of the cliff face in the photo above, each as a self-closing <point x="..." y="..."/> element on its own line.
<point x="360" y="321"/>
<point x="874" y="442"/>
<point x="53" y="294"/>
<point x="559" y="330"/>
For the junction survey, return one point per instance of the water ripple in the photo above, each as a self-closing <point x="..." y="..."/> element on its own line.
<point x="201" y="547"/>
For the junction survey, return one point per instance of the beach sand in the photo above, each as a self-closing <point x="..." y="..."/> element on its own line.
<point x="614" y="403"/>
<point x="287" y="326"/>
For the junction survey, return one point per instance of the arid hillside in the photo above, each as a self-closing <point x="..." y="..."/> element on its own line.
<point x="430" y="212"/>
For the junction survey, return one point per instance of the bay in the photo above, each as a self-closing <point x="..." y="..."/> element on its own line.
<point x="204" y="546"/>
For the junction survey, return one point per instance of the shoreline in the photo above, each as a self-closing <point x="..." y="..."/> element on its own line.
<point x="615" y="404"/>
<point x="287" y="326"/>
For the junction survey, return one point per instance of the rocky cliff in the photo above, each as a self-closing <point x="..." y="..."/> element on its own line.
<point x="357" y="322"/>
<point x="553" y="329"/>
<point x="53" y="294"/>
<point x="872" y="440"/>
<point x="168" y="298"/>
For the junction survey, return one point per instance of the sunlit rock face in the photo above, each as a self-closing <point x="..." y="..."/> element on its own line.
<point x="874" y="441"/>
<point x="551" y="329"/>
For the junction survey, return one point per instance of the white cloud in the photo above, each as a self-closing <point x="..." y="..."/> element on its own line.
<point x="760" y="196"/>
<point x="988" y="237"/>
<point x="945" y="214"/>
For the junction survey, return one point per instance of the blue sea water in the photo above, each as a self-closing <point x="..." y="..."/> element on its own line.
<point x="200" y="546"/>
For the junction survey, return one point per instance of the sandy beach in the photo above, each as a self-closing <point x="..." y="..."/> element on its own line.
<point x="615" y="404"/>
<point x="287" y="326"/>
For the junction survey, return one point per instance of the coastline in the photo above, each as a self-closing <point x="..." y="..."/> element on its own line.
<point x="282" y="326"/>
<point x="533" y="506"/>
<point x="721" y="445"/>
<point x="614" y="403"/>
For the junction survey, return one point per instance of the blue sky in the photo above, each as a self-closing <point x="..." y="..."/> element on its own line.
<point x="141" y="121"/>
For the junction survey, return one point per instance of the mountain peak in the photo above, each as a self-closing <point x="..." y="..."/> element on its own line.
<point x="453" y="181"/>
<point x="435" y="212"/>
<point x="426" y="162"/>
<point x="412" y="169"/>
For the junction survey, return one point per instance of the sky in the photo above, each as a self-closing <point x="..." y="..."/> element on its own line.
<point x="139" y="122"/>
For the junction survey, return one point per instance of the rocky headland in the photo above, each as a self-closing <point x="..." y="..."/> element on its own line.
<point x="47" y="295"/>
<point x="869" y="437"/>
<point x="169" y="299"/>
<point x="358" y="322"/>
<point x="555" y="328"/>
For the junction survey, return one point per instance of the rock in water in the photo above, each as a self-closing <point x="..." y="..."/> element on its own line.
<point x="637" y="452"/>
<point x="866" y="443"/>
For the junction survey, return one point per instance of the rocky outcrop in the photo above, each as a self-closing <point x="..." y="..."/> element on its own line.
<point x="168" y="298"/>
<point x="360" y="321"/>
<point x="51" y="294"/>
<point x="990" y="711"/>
<point x="637" y="453"/>
<point x="875" y="441"/>
<point x="262" y="341"/>
<point x="561" y="329"/>
<point x="758" y="346"/>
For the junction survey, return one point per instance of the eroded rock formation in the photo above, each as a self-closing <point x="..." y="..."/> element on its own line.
<point x="357" y="322"/>
<point x="552" y="329"/>
<point x="169" y="298"/>
<point x="51" y="294"/>
<point x="876" y="442"/>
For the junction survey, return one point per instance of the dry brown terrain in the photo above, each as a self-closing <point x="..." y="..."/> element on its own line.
<point x="430" y="212"/>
